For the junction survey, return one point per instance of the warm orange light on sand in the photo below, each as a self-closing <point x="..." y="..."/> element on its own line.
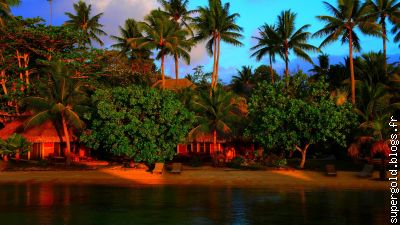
<point x="136" y="176"/>
<point x="295" y="174"/>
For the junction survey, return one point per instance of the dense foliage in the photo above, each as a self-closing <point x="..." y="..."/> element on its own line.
<point x="281" y="121"/>
<point x="137" y="122"/>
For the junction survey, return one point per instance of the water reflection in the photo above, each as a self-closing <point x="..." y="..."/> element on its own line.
<point x="50" y="204"/>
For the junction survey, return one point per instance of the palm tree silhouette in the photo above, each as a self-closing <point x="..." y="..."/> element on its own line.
<point x="345" y="19"/>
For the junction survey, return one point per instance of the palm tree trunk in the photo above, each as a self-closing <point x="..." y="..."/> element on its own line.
<point x="271" y="71"/>
<point x="287" y="65"/>
<point x="51" y="12"/>
<point x="21" y="76"/>
<point x="218" y="56"/>
<point x="67" y="141"/>
<point x="3" y="81"/>
<point x="215" y="142"/>
<point x="384" y="44"/>
<point x="353" y="82"/>
<point x="27" y="73"/>
<point x="176" y="66"/>
<point x="215" y="62"/>
<point x="162" y="71"/>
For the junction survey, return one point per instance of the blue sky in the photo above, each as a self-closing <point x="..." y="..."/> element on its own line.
<point x="253" y="14"/>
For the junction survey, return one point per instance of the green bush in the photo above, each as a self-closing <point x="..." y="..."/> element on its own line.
<point x="280" y="163"/>
<point x="236" y="162"/>
<point x="140" y="123"/>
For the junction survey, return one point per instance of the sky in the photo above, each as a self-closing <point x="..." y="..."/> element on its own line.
<point x="253" y="14"/>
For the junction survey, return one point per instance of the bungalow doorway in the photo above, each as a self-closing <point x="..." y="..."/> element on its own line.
<point x="37" y="150"/>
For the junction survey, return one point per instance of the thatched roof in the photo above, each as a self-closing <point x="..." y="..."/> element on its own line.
<point x="172" y="84"/>
<point x="203" y="137"/>
<point x="45" y="132"/>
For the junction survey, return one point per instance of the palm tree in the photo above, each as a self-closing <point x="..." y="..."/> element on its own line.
<point x="292" y="39"/>
<point x="5" y="11"/>
<point x="322" y="69"/>
<point x="349" y="15"/>
<point x="214" y="113"/>
<point x="215" y="23"/>
<point x="396" y="31"/>
<point x="178" y="12"/>
<point x="382" y="10"/>
<point x="243" y="82"/>
<point x="51" y="11"/>
<point x="89" y="27"/>
<point x="58" y="101"/>
<point x="268" y="43"/>
<point x="15" y="144"/>
<point x="181" y="50"/>
<point x="128" y="43"/>
<point x="161" y="33"/>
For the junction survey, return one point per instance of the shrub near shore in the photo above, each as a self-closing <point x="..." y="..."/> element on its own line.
<point x="137" y="122"/>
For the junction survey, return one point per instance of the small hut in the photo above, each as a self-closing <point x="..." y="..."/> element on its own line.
<point x="201" y="144"/>
<point x="46" y="140"/>
<point x="175" y="85"/>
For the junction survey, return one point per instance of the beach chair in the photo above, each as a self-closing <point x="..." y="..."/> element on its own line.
<point x="366" y="171"/>
<point x="330" y="170"/>
<point x="158" y="168"/>
<point x="176" y="168"/>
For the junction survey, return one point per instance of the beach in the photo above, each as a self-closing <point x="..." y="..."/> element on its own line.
<point x="203" y="176"/>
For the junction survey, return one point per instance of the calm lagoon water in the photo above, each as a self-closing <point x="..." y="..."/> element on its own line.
<point x="49" y="204"/>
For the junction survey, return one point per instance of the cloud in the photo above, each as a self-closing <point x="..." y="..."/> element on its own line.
<point x="117" y="11"/>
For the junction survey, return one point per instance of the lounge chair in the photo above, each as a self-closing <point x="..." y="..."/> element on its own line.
<point x="158" y="168"/>
<point x="176" y="168"/>
<point x="367" y="171"/>
<point x="330" y="170"/>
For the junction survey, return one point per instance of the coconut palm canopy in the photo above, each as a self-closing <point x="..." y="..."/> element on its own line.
<point x="5" y="10"/>
<point x="250" y="20"/>
<point x="88" y="26"/>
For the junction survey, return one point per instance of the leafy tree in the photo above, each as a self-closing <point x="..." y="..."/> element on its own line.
<point x="162" y="34"/>
<point x="346" y="18"/>
<point x="59" y="100"/>
<point x="26" y="46"/>
<point x="291" y="39"/>
<point x="5" y="11"/>
<point x="141" y="123"/>
<point x="267" y="43"/>
<point x="214" y="24"/>
<point x="382" y="10"/>
<point x="281" y="121"/>
<point x="199" y="77"/>
<point x="215" y="113"/>
<point x="89" y="28"/>
<point x="263" y="73"/>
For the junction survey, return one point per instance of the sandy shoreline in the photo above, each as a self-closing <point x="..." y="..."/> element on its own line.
<point x="219" y="177"/>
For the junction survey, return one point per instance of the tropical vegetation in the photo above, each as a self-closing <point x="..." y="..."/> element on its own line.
<point x="110" y="101"/>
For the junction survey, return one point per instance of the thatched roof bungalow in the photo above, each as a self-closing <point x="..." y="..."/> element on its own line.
<point x="45" y="138"/>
